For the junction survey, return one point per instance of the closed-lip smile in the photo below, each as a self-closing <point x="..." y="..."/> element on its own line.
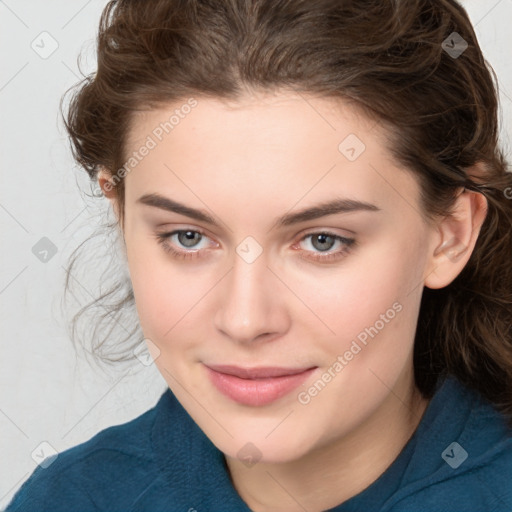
<point x="256" y="386"/>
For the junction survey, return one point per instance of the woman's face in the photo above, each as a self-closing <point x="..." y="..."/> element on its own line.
<point x="293" y="241"/>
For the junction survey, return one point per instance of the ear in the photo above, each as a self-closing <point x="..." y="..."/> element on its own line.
<point x="109" y="190"/>
<point x="457" y="236"/>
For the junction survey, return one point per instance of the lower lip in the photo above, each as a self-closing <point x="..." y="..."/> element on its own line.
<point x="256" y="392"/>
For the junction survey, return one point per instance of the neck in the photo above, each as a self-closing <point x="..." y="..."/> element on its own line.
<point x="331" y="474"/>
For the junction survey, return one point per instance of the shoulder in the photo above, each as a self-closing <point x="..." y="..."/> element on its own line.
<point x="467" y="453"/>
<point x="484" y="485"/>
<point x="82" y="477"/>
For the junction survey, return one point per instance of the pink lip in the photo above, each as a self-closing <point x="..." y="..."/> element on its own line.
<point x="256" y="386"/>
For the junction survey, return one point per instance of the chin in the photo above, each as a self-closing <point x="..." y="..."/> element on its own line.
<point x="279" y="450"/>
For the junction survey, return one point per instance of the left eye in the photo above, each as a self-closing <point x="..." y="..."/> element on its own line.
<point x="323" y="241"/>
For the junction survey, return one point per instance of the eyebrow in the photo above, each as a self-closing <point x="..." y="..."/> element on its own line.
<point x="338" y="205"/>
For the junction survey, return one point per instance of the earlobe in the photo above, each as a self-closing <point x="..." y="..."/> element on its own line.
<point x="458" y="234"/>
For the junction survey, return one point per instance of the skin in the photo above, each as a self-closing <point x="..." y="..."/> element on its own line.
<point x="246" y="163"/>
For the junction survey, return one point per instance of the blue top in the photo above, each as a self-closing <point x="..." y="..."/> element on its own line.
<point x="459" y="459"/>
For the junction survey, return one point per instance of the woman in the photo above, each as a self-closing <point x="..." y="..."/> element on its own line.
<point x="316" y="218"/>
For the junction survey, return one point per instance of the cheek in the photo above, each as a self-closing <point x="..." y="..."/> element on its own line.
<point x="370" y="306"/>
<point x="161" y="293"/>
<point x="360" y="291"/>
<point x="171" y="299"/>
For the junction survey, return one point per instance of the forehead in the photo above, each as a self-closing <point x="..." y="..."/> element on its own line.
<point x="264" y="146"/>
<point x="258" y="115"/>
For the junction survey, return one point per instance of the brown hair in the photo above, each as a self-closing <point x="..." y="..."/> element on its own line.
<point x="398" y="61"/>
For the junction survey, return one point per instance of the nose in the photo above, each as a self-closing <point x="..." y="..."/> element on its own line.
<point x="251" y="303"/>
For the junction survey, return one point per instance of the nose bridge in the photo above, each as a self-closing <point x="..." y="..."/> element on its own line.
<point x="249" y="306"/>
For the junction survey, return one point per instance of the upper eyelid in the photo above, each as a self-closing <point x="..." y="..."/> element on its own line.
<point x="306" y="231"/>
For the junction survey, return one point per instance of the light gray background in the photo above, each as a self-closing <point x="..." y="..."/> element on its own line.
<point x="46" y="394"/>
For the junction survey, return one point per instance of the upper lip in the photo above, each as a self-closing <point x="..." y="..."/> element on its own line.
<point x="256" y="373"/>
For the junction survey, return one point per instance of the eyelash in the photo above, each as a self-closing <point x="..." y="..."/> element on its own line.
<point x="163" y="239"/>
